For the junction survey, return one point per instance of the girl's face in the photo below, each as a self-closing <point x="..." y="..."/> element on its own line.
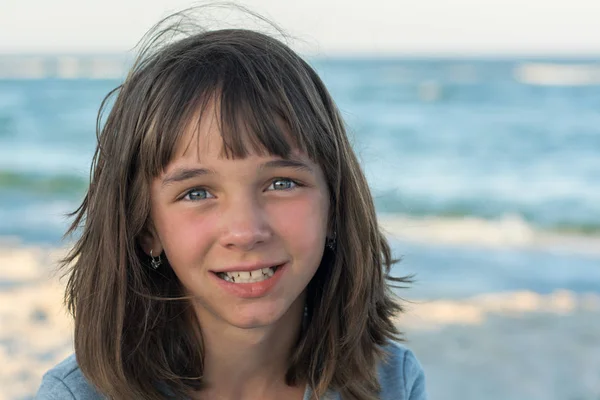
<point x="243" y="236"/>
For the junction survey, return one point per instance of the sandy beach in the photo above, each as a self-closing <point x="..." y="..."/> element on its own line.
<point x="516" y="345"/>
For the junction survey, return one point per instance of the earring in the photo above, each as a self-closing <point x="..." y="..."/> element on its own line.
<point x="330" y="242"/>
<point x="155" y="262"/>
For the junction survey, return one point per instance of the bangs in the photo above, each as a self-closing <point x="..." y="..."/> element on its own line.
<point x="262" y="104"/>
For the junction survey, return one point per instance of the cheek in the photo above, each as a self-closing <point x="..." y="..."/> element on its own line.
<point x="302" y="223"/>
<point x="185" y="235"/>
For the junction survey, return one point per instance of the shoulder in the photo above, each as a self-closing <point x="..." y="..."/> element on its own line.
<point x="401" y="375"/>
<point x="66" y="382"/>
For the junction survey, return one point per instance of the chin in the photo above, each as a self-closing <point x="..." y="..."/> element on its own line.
<point x="256" y="316"/>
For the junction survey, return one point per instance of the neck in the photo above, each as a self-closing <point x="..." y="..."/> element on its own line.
<point x="248" y="363"/>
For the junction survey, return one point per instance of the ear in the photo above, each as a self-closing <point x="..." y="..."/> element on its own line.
<point x="150" y="242"/>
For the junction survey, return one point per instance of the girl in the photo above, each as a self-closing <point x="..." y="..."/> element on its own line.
<point x="229" y="245"/>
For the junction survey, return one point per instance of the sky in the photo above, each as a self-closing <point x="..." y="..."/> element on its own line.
<point x="425" y="27"/>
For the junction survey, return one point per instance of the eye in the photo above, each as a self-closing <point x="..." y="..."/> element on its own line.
<point x="282" y="184"/>
<point x="197" y="194"/>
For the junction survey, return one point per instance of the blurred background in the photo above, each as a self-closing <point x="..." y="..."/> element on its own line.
<point x="477" y="123"/>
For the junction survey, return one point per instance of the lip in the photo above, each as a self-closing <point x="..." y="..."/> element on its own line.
<point x="249" y="267"/>
<point x="254" y="289"/>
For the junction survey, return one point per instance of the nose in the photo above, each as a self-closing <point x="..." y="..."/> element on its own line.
<point x="245" y="225"/>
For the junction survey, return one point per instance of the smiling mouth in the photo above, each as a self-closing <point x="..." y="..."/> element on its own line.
<point x="257" y="275"/>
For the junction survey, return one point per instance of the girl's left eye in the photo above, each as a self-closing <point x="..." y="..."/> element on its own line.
<point x="282" y="184"/>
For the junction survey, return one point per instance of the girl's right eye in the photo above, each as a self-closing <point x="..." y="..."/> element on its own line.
<point x="197" y="194"/>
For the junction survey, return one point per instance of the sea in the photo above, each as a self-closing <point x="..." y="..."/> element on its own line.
<point x="487" y="171"/>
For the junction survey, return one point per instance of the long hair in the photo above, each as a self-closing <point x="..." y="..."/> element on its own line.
<point x="135" y="334"/>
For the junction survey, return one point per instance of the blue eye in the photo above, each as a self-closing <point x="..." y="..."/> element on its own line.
<point x="197" y="194"/>
<point x="282" y="184"/>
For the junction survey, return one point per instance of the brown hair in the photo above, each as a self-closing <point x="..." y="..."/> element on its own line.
<point x="134" y="330"/>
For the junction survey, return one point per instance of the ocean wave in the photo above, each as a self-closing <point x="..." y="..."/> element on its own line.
<point x="571" y="213"/>
<point x="508" y="231"/>
<point x="424" y="314"/>
<point x="554" y="74"/>
<point x="424" y="221"/>
<point x="36" y="183"/>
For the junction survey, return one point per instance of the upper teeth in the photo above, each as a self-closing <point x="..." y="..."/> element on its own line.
<point x="248" y="276"/>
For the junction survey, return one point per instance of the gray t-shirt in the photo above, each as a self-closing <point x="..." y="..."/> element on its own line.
<point x="401" y="378"/>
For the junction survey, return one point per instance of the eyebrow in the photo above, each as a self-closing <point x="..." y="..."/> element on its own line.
<point x="183" y="174"/>
<point x="287" y="163"/>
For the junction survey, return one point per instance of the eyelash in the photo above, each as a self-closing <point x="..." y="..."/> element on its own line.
<point x="295" y="184"/>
